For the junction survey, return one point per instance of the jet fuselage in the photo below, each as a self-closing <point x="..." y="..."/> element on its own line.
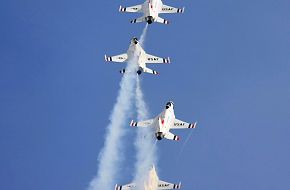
<point x="165" y="121"/>
<point x="137" y="54"/>
<point x="152" y="9"/>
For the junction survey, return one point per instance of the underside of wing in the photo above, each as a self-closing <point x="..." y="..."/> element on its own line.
<point x="146" y="123"/>
<point x="163" y="185"/>
<point x="155" y="59"/>
<point x="129" y="186"/>
<point x="169" y="9"/>
<point x="178" y="124"/>
<point x="117" y="58"/>
<point x="132" y="9"/>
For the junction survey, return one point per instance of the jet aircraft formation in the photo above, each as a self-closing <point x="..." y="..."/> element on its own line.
<point x="166" y="120"/>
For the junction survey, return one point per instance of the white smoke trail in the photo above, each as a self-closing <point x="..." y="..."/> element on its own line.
<point x="109" y="158"/>
<point x="143" y="35"/>
<point x="111" y="154"/>
<point x="145" y="146"/>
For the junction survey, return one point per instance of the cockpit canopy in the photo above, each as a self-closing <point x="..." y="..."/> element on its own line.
<point x="169" y="104"/>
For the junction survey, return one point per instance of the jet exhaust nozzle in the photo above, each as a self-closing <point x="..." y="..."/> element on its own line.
<point x="159" y="135"/>
<point x="149" y="19"/>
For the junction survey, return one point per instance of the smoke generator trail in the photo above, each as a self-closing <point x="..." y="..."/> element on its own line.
<point x="144" y="143"/>
<point x="111" y="154"/>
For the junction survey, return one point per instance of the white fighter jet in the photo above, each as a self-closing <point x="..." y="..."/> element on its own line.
<point x="136" y="53"/>
<point x="152" y="183"/>
<point x="151" y="10"/>
<point x="164" y="122"/>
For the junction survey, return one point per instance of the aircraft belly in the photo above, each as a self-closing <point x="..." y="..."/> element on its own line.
<point x="141" y="64"/>
<point x="171" y="123"/>
<point x="158" y="129"/>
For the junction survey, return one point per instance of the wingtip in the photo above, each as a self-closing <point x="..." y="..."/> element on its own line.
<point x="192" y="125"/>
<point x="106" y="58"/>
<point x="176" y="138"/>
<point x="183" y="8"/>
<point x="155" y="73"/>
<point x="120" y="8"/>
<point x="169" y="61"/>
<point x="132" y="122"/>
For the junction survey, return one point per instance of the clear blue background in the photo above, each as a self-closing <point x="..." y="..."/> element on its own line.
<point x="230" y="71"/>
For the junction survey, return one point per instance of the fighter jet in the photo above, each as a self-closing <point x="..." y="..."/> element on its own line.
<point x="151" y="10"/>
<point x="152" y="183"/>
<point x="164" y="122"/>
<point x="136" y="53"/>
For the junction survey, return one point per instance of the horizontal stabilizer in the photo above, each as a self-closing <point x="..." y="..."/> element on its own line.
<point x="171" y="136"/>
<point x="137" y="20"/>
<point x="122" y="71"/>
<point x="161" y="20"/>
<point x="147" y="70"/>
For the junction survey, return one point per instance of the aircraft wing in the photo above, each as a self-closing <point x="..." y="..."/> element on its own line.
<point x="132" y="9"/>
<point x="145" y="123"/>
<point x="168" y="9"/>
<point x="178" y="124"/>
<point x="125" y="187"/>
<point x="163" y="185"/>
<point x="155" y="59"/>
<point x="117" y="58"/>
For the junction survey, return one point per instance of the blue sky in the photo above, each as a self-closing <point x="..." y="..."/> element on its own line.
<point x="230" y="71"/>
